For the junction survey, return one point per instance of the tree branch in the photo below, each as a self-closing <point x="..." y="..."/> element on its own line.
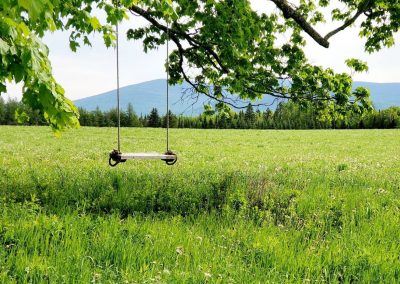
<point x="178" y="32"/>
<point x="179" y="36"/>
<point x="361" y="10"/>
<point x="290" y="13"/>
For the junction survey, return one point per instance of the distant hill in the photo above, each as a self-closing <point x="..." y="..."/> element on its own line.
<point x="383" y="95"/>
<point x="146" y="95"/>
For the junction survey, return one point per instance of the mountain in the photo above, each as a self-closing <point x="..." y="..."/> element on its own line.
<point x="383" y="95"/>
<point x="147" y="95"/>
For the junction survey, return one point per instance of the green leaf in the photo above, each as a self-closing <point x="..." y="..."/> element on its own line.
<point x="50" y="22"/>
<point x="95" y="23"/>
<point x="3" y="88"/>
<point x="21" y="116"/>
<point x="4" y="47"/>
<point x="33" y="7"/>
<point x="24" y="28"/>
<point x="86" y="41"/>
<point x="19" y="72"/>
<point x="208" y="110"/>
<point x="60" y="90"/>
<point x="73" y="45"/>
<point x="357" y="65"/>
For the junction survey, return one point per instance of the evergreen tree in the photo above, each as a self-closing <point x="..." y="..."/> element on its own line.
<point x="241" y="123"/>
<point x="2" y="111"/>
<point x="288" y="115"/>
<point x="173" y="120"/>
<point x="84" y="117"/>
<point x="250" y="116"/>
<point x="154" y="119"/>
<point x="9" y="117"/>
<point x="132" y="118"/>
<point x="111" y="118"/>
<point x="98" y="116"/>
<point x="268" y="118"/>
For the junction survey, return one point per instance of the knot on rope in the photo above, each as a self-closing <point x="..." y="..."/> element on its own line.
<point x="115" y="158"/>
<point x="170" y="161"/>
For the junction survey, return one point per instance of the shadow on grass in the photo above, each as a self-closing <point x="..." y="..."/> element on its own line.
<point x="105" y="192"/>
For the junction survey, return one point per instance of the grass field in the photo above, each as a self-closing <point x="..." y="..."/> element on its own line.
<point x="238" y="207"/>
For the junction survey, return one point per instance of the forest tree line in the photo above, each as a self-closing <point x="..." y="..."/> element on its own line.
<point x="287" y="115"/>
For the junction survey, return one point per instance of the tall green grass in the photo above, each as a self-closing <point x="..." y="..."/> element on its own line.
<point x="238" y="207"/>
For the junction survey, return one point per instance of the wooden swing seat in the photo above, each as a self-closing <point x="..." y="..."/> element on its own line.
<point x="117" y="157"/>
<point x="147" y="156"/>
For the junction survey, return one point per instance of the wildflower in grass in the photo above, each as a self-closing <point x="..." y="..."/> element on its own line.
<point x="96" y="277"/>
<point x="166" y="271"/>
<point x="179" y="250"/>
<point x="381" y="191"/>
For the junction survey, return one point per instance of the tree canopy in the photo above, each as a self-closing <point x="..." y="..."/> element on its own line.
<point x="221" y="47"/>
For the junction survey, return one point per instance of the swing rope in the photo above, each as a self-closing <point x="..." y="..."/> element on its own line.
<point x="118" y="101"/>
<point x="168" y="151"/>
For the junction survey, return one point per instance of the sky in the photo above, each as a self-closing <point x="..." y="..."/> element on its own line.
<point x="92" y="70"/>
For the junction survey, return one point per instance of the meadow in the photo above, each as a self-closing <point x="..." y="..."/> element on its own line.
<point x="240" y="206"/>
